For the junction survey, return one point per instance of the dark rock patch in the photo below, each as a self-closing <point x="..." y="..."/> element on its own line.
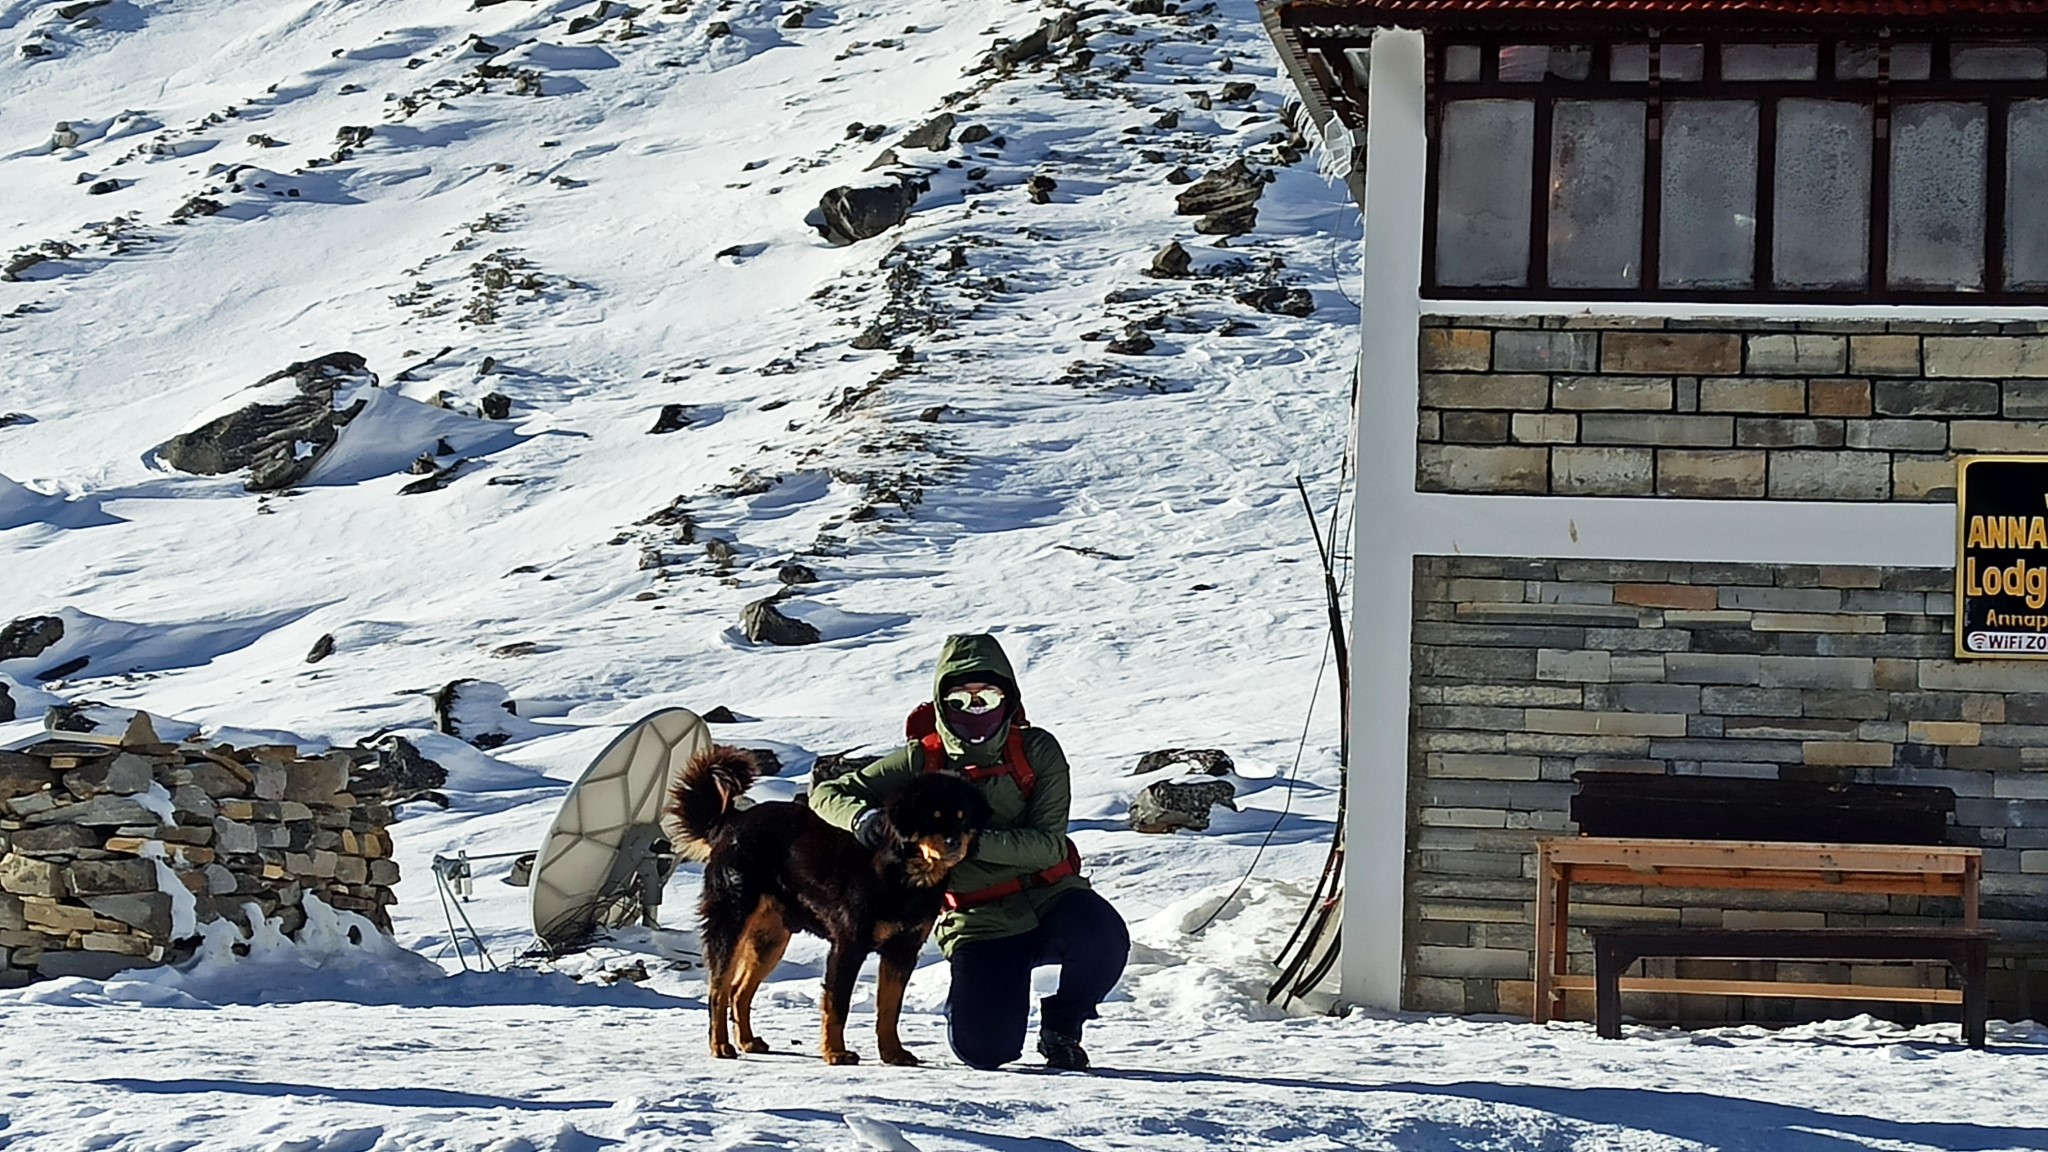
<point x="468" y="710"/>
<point x="763" y="623"/>
<point x="1172" y="262"/>
<point x="495" y="406"/>
<point x="1134" y="342"/>
<point x="30" y="637"/>
<point x="720" y="715"/>
<point x="1226" y="200"/>
<point x="975" y="134"/>
<point x="1040" y="188"/>
<point x="6" y="706"/>
<point x="794" y="573"/>
<point x="673" y="418"/>
<point x="1168" y="806"/>
<point x="277" y="443"/>
<point x="1208" y="761"/>
<point x="400" y="771"/>
<point x="837" y="764"/>
<point x="77" y="664"/>
<point x="322" y="649"/>
<point x="934" y="135"/>
<point x="855" y="214"/>
<point x="1282" y="301"/>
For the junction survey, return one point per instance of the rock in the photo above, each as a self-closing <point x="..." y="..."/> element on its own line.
<point x="1238" y="91"/>
<point x="110" y="877"/>
<point x="1147" y="7"/>
<point x="1168" y="806"/>
<point x="495" y="406"/>
<point x="673" y="417"/>
<point x="30" y="636"/>
<point x="400" y="773"/>
<point x="277" y="442"/>
<point x="353" y="135"/>
<point x="1040" y="188"/>
<point x="871" y="338"/>
<point x="717" y="30"/>
<point x="102" y="187"/>
<point x="838" y="764"/>
<point x="1284" y="301"/>
<point x="795" y="19"/>
<point x="1208" y="761"/>
<point x="934" y="135"/>
<point x="63" y="136"/>
<point x="794" y="573"/>
<point x="470" y="709"/>
<point x="100" y="812"/>
<point x="1180" y="175"/>
<point x="763" y="623"/>
<point x="24" y="775"/>
<point x="124" y="775"/>
<point x="887" y="159"/>
<point x="931" y="415"/>
<point x="853" y="214"/>
<point x="975" y="134"/>
<point x="720" y="715"/>
<point x="6" y="704"/>
<point x="1172" y="262"/>
<point x="59" y="839"/>
<point x="1134" y="342"/>
<point x="10" y="419"/>
<point x="198" y="206"/>
<point x="1168" y="121"/>
<point x="322" y="649"/>
<point x="149" y="913"/>
<point x="1226" y="200"/>
<point x="315" y="779"/>
<point x="26" y="876"/>
<point x="88" y="965"/>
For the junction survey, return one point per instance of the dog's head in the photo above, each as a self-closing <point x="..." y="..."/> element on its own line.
<point x="935" y="819"/>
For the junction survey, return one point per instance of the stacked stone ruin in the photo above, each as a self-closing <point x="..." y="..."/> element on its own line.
<point x="113" y="849"/>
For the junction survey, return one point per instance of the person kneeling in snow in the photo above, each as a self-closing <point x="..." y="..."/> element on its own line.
<point x="1019" y="900"/>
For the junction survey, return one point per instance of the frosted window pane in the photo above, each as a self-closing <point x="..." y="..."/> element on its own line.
<point x="1461" y="63"/>
<point x="1769" y="62"/>
<point x="1820" y="234"/>
<point x="1482" y="227"/>
<point x="1859" y="61"/>
<point x="1708" y="229"/>
<point x="2026" y="225"/>
<point x="1629" y="63"/>
<point x="1937" y="224"/>
<point x="1682" y="62"/>
<point x="2000" y="62"/>
<point x="1596" y="194"/>
<point x="1528" y="63"/>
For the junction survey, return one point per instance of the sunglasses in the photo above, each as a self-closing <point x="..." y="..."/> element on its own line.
<point x="974" y="701"/>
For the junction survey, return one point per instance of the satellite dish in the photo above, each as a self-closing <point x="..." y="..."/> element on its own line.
<point x="605" y="857"/>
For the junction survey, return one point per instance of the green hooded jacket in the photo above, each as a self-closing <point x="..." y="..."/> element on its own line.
<point x="1023" y="835"/>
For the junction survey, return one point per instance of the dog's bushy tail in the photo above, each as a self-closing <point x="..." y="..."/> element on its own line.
<point x="703" y="795"/>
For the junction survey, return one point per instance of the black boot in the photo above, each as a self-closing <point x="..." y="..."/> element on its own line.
<point x="1062" y="1051"/>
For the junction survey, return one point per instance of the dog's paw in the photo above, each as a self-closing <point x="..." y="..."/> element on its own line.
<point x="724" y="1051"/>
<point x="842" y="1057"/>
<point x="901" y="1058"/>
<point x="757" y="1046"/>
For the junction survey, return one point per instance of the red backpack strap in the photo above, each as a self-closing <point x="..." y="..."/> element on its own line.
<point x="1019" y="764"/>
<point x="934" y="752"/>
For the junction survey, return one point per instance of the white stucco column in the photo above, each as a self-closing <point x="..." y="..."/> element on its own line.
<point x="1376" y="819"/>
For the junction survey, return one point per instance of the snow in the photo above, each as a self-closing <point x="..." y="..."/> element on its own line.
<point x="1127" y="525"/>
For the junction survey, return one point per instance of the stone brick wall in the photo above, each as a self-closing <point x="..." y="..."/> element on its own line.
<point x="1732" y="409"/>
<point x="112" y="850"/>
<point x="1527" y="671"/>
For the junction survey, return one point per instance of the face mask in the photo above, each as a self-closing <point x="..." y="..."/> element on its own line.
<point x="975" y="715"/>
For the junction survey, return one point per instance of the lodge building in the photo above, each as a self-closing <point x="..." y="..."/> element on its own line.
<point x="1677" y="317"/>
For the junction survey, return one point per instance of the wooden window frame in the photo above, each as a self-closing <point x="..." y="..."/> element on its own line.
<point x="1882" y="95"/>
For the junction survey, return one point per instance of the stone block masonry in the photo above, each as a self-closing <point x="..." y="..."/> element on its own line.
<point x="1732" y="409"/>
<point x="1526" y="672"/>
<point x="113" y="852"/>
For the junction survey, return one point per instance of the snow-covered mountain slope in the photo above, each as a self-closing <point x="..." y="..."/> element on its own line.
<point x="596" y="214"/>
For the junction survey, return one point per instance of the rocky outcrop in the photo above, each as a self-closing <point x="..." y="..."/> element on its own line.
<point x="763" y="623"/>
<point x="277" y="442"/>
<point x="114" y="850"/>
<point x="853" y="214"/>
<point x="1278" y="300"/>
<point x="1207" y="761"/>
<point x="29" y="637"/>
<point x="1226" y="200"/>
<point x="1169" y="806"/>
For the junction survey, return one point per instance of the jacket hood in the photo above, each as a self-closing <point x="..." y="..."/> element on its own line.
<point x="965" y="659"/>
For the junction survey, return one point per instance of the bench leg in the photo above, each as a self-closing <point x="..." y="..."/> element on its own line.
<point x="1976" y="963"/>
<point x="1607" y="966"/>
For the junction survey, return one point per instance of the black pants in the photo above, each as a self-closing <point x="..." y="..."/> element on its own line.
<point x="989" y="1006"/>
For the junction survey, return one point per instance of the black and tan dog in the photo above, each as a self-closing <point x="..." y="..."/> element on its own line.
<point x="775" y="869"/>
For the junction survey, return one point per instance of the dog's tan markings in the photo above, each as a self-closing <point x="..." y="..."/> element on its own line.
<point x="889" y="985"/>
<point x="833" y="1027"/>
<point x="762" y="942"/>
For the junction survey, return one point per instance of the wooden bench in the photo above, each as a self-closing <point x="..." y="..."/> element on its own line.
<point x="1965" y="950"/>
<point x="1747" y="865"/>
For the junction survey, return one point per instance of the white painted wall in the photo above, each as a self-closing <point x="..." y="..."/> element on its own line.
<point x="1395" y="523"/>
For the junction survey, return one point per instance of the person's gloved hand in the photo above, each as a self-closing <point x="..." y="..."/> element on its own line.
<point x="869" y="827"/>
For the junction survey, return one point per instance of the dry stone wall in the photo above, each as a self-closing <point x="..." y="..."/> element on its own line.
<point x="1527" y="671"/>
<point x="1728" y="409"/>
<point x="113" y="851"/>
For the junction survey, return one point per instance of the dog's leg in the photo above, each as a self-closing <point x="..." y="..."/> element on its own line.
<point x="899" y="959"/>
<point x="718" y="973"/>
<point x="842" y="968"/>
<point x="761" y="949"/>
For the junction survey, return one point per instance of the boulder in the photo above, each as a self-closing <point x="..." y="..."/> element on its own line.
<point x="1134" y="342"/>
<point x="1226" y="200"/>
<point x="763" y="623"/>
<point x="1283" y="301"/>
<point x="6" y="704"/>
<point x="1040" y="188"/>
<point x="322" y="648"/>
<point x="934" y="135"/>
<point x="29" y="637"/>
<point x="673" y="418"/>
<point x="1207" y="761"/>
<point x="795" y="573"/>
<point x="853" y="214"/>
<point x="1168" y="805"/>
<point x="277" y="442"/>
<point x="1172" y="262"/>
